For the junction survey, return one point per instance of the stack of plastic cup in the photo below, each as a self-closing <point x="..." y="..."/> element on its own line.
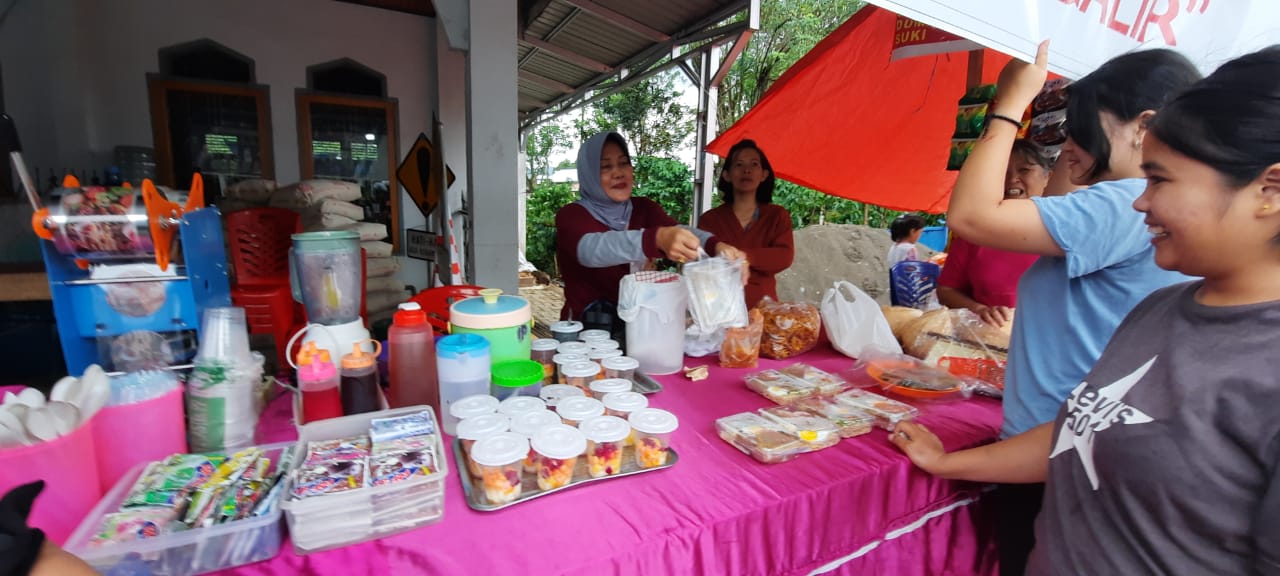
<point x="222" y="399"/>
<point x="224" y="336"/>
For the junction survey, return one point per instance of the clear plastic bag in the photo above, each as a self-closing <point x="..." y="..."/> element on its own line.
<point x="959" y="341"/>
<point x="741" y="347"/>
<point x="913" y="379"/>
<point x="790" y="328"/>
<point x="717" y="298"/>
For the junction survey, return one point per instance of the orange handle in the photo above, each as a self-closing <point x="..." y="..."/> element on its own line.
<point x="158" y="210"/>
<point x="38" y="219"/>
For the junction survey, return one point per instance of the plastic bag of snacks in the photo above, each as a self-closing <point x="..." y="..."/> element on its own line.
<point x="742" y="346"/>
<point x="956" y="333"/>
<point x="790" y="328"/>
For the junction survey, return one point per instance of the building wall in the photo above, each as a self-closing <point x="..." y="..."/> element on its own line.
<point x="75" y="70"/>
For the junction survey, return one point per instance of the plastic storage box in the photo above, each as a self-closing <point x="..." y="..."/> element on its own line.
<point x="340" y="519"/>
<point x="195" y="551"/>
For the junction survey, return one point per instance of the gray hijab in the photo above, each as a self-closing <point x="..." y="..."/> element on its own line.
<point x="615" y="215"/>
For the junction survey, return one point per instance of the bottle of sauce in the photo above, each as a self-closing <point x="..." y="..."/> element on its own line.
<point x="361" y="391"/>
<point x="412" y="359"/>
<point x="318" y="380"/>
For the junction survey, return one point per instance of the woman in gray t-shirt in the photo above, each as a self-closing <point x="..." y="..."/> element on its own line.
<point x="1166" y="459"/>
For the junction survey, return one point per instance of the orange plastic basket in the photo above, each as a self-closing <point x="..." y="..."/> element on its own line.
<point x="985" y="369"/>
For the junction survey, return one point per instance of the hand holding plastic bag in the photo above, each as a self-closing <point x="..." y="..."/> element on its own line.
<point x="855" y="324"/>
<point x="717" y="298"/>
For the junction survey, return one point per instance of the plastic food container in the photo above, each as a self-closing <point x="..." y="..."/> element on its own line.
<point x="580" y="348"/>
<point x="604" y="344"/>
<point x="622" y="404"/>
<point x="599" y="356"/>
<point x="474" y="405"/>
<point x="344" y="518"/>
<point x="601" y="388"/>
<point x="594" y="335"/>
<point x="517" y="405"/>
<point x="574" y="410"/>
<point x="542" y="351"/>
<point x="653" y="428"/>
<point x="759" y="438"/>
<point x="473" y="430"/>
<point x="581" y="374"/>
<point x="566" y="330"/>
<point x="516" y="378"/>
<point x="558" y="448"/>
<point x="606" y="436"/>
<point x="189" y="552"/>
<point x="499" y="459"/>
<point x="562" y="360"/>
<point x="528" y="424"/>
<point x="849" y="421"/>
<point x="620" y="367"/>
<point x="554" y="393"/>
<point x="826" y="382"/>
<point x="888" y="413"/>
<point x="779" y="387"/>
<point x="816" y="431"/>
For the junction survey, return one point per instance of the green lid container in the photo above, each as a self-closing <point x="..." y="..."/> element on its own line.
<point x="516" y="378"/>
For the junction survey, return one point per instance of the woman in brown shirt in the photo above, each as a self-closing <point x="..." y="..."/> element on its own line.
<point x="750" y="221"/>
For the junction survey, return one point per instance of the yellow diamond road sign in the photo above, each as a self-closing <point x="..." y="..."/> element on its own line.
<point x="417" y="173"/>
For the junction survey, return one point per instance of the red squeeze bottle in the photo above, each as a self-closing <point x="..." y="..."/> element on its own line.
<point x="318" y="381"/>
<point x="412" y="358"/>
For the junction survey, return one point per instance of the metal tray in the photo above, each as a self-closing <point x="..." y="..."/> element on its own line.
<point x="645" y="384"/>
<point x="529" y="487"/>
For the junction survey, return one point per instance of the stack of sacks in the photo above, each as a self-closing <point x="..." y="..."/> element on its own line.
<point x="247" y="194"/>
<point x="329" y="205"/>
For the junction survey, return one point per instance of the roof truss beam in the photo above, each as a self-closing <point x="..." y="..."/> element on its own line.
<point x="620" y="20"/>
<point x="565" y="54"/>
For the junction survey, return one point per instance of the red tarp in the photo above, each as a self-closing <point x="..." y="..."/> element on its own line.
<point x="846" y="121"/>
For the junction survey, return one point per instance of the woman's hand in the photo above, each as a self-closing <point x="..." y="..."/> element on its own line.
<point x="920" y="445"/>
<point x="678" y="244"/>
<point x="1021" y="82"/>
<point x="996" y="316"/>
<point x="733" y="254"/>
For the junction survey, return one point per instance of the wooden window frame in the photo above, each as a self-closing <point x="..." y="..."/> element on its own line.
<point x="390" y="106"/>
<point x="158" y="87"/>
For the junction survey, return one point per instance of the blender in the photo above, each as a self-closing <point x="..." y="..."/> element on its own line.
<point x="326" y="278"/>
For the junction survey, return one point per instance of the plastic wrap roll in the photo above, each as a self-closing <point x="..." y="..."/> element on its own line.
<point x="97" y="223"/>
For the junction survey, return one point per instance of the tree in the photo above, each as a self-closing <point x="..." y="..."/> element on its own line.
<point x="540" y="233"/>
<point x="668" y="182"/>
<point x="540" y="146"/>
<point x="648" y="114"/>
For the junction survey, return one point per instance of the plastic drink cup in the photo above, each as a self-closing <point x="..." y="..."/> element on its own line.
<point x="554" y="393"/>
<point x="224" y="335"/>
<point x="606" y="436"/>
<point x="517" y="405"/>
<point x="601" y="388"/>
<point x="558" y="448"/>
<point x="580" y="348"/>
<point x="581" y="375"/>
<point x="620" y="367"/>
<point x="562" y="360"/>
<point x="470" y="407"/>
<point x="473" y="430"/>
<point x="604" y="344"/>
<point x="542" y="351"/>
<point x="622" y="404"/>
<point x="566" y="330"/>
<point x="653" y="428"/>
<point x="497" y="460"/>
<point x="594" y="335"/>
<point x="599" y="356"/>
<point x="528" y="424"/>
<point x="574" y="410"/>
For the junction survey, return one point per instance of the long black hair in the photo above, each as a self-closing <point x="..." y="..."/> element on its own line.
<point x="1125" y="86"/>
<point x="764" y="194"/>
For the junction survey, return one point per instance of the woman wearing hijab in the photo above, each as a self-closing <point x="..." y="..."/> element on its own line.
<point x="607" y="233"/>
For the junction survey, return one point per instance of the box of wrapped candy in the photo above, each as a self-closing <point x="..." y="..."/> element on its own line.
<point x="188" y="514"/>
<point x="363" y="477"/>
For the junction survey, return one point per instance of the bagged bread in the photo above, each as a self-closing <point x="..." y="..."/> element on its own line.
<point x="790" y="328"/>
<point x="899" y="317"/>
<point x="955" y="333"/>
<point x="255" y="192"/>
<point x="368" y="231"/>
<point x="376" y="249"/>
<point x="378" y="267"/>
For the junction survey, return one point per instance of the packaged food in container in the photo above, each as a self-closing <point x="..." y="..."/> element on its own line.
<point x="886" y="411"/>
<point x="499" y="459"/>
<point x="581" y="374"/>
<point x="558" y="448"/>
<point x="826" y="382"/>
<point x="790" y="328"/>
<point x="542" y="351"/>
<point x="516" y="405"/>
<point x="760" y="438"/>
<point x="620" y="367"/>
<point x="779" y="387"/>
<point x="849" y="421"/>
<point x="594" y="335"/>
<point x="578" y="408"/>
<point x="527" y="424"/>
<point x="552" y="394"/>
<point x="741" y="345"/>
<point x="601" y="388"/>
<point x="816" y="431"/>
<point x="606" y="436"/>
<point x="475" y="429"/>
<point x="653" y="428"/>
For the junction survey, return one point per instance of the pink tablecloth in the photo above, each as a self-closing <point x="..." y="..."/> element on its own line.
<point x="716" y="512"/>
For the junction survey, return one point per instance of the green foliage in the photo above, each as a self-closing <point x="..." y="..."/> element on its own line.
<point x="540" y="231"/>
<point x="539" y="146"/>
<point x="648" y="114"/>
<point x="668" y="182"/>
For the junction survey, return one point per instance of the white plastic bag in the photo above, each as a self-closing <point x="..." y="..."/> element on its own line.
<point x="716" y="296"/>
<point x="855" y="324"/>
<point x="653" y="306"/>
<point x="698" y="344"/>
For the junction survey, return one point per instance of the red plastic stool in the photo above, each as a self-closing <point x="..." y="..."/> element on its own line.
<point x="436" y="302"/>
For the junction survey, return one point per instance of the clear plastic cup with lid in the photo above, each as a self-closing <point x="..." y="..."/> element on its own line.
<point x="498" y="460"/>
<point x="605" y="386"/>
<point x="574" y="410"/>
<point x="542" y="351"/>
<point x="558" y="447"/>
<point x="606" y="436"/>
<point x="594" y="335"/>
<point x="472" y="406"/>
<point x="528" y="424"/>
<point x="515" y="378"/>
<point x="554" y="393"/>
<point x="478" y="428"/>
<point x="562" y="360"/>
<point x="604" y="345"/>
<point x="581" y="348"/>
<point x="620" y="367"/>
<point x="581" y="374"/>
<point x="517" y="405"/>
<point x="622" y="404"/>
<point x="566" y="330"/>
<point x="653" y="428"/>
<point x="599" y="356"/>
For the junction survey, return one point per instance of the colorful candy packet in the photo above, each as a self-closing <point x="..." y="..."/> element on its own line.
<point x="329" y="478"/>
<point x="134" y="525"/>
<point x="388" y="429"/>
<point x="354" y="448"/>
<point x="392" y="467"/>
<point x="185" y="472"/>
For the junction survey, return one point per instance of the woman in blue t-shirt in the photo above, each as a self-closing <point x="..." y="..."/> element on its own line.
<point x="1165" y="457"/>
<point x="1096" y="257"/>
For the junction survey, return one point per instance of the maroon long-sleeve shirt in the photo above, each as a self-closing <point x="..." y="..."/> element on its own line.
<point x="767" y="242"/>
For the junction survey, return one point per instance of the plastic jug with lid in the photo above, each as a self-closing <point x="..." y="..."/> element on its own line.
<point x="318" y="380"/>
<point x="412" y="359"/>
<point x="463" y="364"/>
<point x="360" y="389"/>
